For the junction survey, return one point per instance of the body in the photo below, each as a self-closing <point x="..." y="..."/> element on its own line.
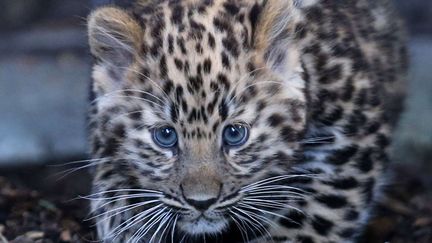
<point x="253" y="121"/>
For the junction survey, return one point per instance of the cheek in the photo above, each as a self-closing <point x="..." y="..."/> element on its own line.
<point x="266" y="149"/>
<point x="249" y="158"/>
<point x="284" y="124"/>
<point x="148" y="161"/>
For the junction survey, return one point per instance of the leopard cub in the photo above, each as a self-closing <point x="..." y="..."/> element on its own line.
<point x="242" y="120"/>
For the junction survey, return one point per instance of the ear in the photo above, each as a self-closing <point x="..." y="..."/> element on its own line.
<point x="274" y="40"/>
<point x="114" y="36"/>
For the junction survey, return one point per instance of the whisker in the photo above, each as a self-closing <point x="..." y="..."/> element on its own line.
<point x="126" y="90"/>
<point x="141" y="99"/>
<point x="77" y="162"/>
<point x="122" y="196"/>
<point x="151" y="80"/>
<point x="122" y="209"/>
<point x="274" y="179"/>
<point x="268" y="221"/>
<point x="286" y="218"/>
<point x="120" y="199"/>
<point x="63" y="174"/>
<point x="183" y="238"/>
<point x="136" y="111"/>
<point x="148" y="225"/>
<point x="169" y="223"/>
<point x="164" y="220"/>
<point x="257" y="225"/>
<point x="274" y="197"/>
<point x="122" y="115"/>
<point x="316" y="142"/>
<point x="245" y="76"/>
<point x="122" y="45"/>
<point x="269" y="212"/>
<point x="317" y="139"/>
<point x="123" y="190"/>
<point x="245" y="205"/>
<point x="276" y="189"/>
<point x="245" y="222"/>
<point x="250" y="86"/>
<point x="132" y="221"/>
<point x="267" y="204"/>
<point x="110" y="34"/>
<point x="276" y="202"/>
<point x="144" y="230"/>
<point x="243" y="232"/>
<point x="275" y="186"/>
<point x="94" y="195"/>
<point x="173" y="229"/>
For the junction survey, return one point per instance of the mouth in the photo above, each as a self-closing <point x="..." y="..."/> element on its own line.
<point x="219" y="230"/>
<point x="203" y="225"/>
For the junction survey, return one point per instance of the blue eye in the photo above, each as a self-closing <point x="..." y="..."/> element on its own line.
<point x="235" y="135"/>
<point x="165" y="137"/>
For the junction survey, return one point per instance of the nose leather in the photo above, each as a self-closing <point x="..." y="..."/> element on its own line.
<point x="201" y="204"/>
<point x="201" y="186"/>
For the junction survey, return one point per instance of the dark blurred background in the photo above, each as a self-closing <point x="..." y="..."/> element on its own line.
<point x="45" y="71"/>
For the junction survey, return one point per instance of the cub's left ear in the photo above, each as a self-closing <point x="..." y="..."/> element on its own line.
<point x="114" y="36"/>
<point x="275" y="36"/>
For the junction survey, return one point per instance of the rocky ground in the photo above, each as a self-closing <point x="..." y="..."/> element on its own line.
<point x="49" y="211"/>
<point x="45" y="70"/>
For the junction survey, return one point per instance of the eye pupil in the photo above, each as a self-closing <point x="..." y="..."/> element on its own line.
<point x="235" y="135"/>
<point x="165" y="137"/>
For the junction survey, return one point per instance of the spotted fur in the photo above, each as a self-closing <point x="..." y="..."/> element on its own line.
<point x="319" y="83"/>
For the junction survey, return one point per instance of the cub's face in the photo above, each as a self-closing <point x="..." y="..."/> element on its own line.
<point x="203" y="106"/>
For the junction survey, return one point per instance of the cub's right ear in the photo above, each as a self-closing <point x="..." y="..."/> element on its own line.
<point x="114" y="36"/>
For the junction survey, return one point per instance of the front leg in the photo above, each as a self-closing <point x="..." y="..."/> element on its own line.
<point x="339" y="198"/>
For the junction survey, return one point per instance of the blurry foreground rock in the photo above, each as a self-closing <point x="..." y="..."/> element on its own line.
<point x="29" y="215"/>
<point x="404" y="214"/>
<point x="48" y="214"/>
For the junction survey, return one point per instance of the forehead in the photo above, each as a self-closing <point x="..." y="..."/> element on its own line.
<point x="194" y="17"/>
<point x="198" y="50"/>
<point x="211" y="32"/>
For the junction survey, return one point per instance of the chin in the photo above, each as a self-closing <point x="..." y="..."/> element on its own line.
<point x="203" y="226"/>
